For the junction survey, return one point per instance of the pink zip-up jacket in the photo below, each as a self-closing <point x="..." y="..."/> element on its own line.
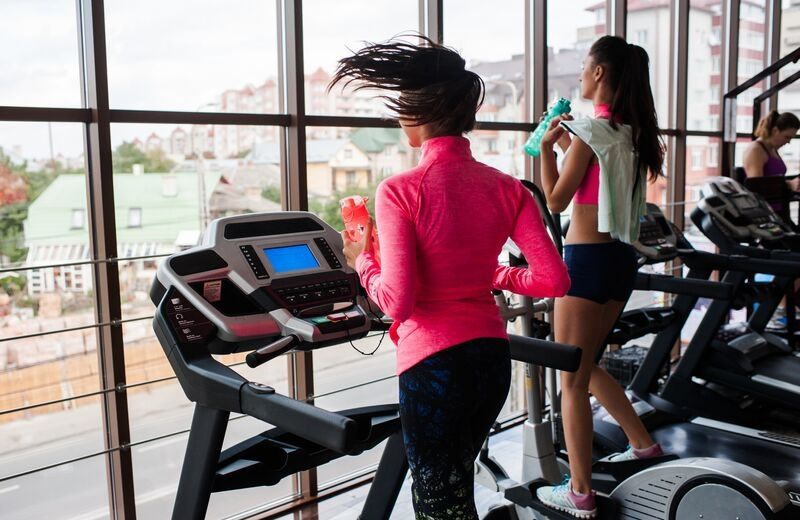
<point x="441" y="227"/>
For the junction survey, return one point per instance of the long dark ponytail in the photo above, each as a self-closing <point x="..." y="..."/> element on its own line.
<point x="433" y="84"/>
<point x="627" y="69"/>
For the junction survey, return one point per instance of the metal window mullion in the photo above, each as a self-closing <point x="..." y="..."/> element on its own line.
<point x="431" y="19"/>
<point x="198" y="118"/>
<point x="294" y="167"/>
<point x="616" y="17"/>
<point x="729" y="78"/>
<point x="772" y="47"/>
<point x="100" y="194"/>
<point x="49" y="115"/>
<point x="535" y="73"/>
<point x="679" y="73"/>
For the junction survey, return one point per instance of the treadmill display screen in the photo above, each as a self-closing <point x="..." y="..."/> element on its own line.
<point x="291" y="258"/>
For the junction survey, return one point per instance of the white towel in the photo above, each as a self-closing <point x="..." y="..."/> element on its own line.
<point x="621" y="199"/>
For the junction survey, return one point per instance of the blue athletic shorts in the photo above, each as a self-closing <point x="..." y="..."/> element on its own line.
<point x="601" y="272"/>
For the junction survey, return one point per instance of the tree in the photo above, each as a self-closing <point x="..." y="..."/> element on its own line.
<point x="127" y="154"/>
<point x="11" y="218"/>
<point x="14" y="209"/>
<point x="157" y="161"/>
<point x="13" y="188"/>
<point x="272" y="192"/>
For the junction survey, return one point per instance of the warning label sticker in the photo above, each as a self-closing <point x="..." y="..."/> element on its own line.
<point x="212" y="291"/>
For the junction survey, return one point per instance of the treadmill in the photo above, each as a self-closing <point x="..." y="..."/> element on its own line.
<point x="757" y="365"/>
<point x="266" y="284"/>
<point x="678" y="427"/>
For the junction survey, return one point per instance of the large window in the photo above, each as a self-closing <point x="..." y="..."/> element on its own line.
<point x="333" y="33"/>
<point x="572" y="27"/>
<point x="649" y="27"/>
<point x="192" y="55"/>
<point x="181" y="74"/>
<point x="700" y="165"/>
<point x="789" y="97"/>
<point x="50" y="412"/>
<point x="752" y="59"/>
<point x="40" y="58"/>
<point x="704" y="78"/>
<point x="496" y="52"/>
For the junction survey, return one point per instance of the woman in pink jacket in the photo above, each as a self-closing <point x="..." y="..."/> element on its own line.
<point x="442" y="226"/>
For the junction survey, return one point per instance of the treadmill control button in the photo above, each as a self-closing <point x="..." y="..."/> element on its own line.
<point x="328" y="253"/>
<point x="254" y="262"/>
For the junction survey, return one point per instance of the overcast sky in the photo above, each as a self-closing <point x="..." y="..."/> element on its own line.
<point x="181" y="54"/>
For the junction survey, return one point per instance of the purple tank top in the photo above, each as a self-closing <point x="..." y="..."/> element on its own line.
<point x="774" y="166"/>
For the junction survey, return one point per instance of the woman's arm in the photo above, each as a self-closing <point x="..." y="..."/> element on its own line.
<point x="392" y="283"/>
<point x="754" y="158"/>
<point x="559" y="188"/>
<point x="546" y="274"/>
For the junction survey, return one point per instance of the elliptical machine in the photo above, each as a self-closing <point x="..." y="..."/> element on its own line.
<point x="677" y="489"/>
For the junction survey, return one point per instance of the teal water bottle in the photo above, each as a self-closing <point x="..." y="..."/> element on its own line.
<point x="534" y="143"/>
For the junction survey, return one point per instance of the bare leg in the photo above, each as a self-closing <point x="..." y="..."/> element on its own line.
<point x="611" y="395"/>
<point x="576" y="324"/>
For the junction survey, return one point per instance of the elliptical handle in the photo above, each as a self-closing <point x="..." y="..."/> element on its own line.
<point x="545" y="353"/>
<point x="271" y="351"/>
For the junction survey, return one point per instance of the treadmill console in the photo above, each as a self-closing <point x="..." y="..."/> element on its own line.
<point x="740" y="213"/>
<point x="657" y="240"/>
<point x="259" y="276"/>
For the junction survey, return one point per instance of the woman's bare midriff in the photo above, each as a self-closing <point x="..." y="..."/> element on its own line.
<point x="583" y="226"/>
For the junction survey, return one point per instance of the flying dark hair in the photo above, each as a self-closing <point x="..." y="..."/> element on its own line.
<point x="433" y="85"/>
<point x="775" y="120"/>
<point x="627" y="69"/>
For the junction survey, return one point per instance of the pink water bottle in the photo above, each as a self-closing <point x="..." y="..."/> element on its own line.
<point x="355" y="216"/>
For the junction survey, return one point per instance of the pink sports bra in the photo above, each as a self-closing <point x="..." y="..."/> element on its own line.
<point x="588" y="191"/>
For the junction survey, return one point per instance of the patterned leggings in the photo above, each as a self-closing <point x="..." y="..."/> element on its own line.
<point x="448" y="403"/>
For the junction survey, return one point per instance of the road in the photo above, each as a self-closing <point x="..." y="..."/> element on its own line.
<point x="78" y="491"/>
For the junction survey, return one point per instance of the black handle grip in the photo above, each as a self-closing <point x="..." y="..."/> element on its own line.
<point x="271" y="351"/>
<point x="765" y="263"/>
<point x="687" y="286"/>
<point x="545" y="353"/>
<point x="328" y="429"/>
<point x="759" y="265"/>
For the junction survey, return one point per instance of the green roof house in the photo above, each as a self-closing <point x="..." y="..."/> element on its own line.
<point x="155" y="213"/>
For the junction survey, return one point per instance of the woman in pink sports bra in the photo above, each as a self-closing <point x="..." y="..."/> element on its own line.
<point x="602" y="270"/>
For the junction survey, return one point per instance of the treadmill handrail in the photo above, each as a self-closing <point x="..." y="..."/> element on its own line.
<point x="746" y="264"/>
<point x="760" y="265"/>
<point x="687" y="286"/>
<point x="328" y="429"/>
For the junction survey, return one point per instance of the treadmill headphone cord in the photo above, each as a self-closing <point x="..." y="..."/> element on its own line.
<point x="380" y="341"/>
